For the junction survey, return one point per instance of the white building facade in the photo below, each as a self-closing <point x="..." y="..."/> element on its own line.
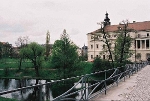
<point x="140" y="33"/>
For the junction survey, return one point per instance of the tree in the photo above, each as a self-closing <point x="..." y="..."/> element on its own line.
<point x="5" y="49"/>
<point x="123" y="44"/>
<point x="33" y="52"/>
<point x="0" y="50"/>
<point x="106" y="36"/>
<point x="65" y="56"/>
<point x="20" y="43"/>
<point x="47" y="44"/>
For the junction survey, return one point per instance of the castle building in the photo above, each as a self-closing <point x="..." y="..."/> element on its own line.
<point x="140" y="33"/>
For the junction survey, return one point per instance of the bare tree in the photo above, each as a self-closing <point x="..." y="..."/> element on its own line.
<point x="20" y="43"/>
<point x="106" y="41"/>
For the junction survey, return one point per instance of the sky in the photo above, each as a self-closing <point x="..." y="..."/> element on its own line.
<point x="33" y="18"/>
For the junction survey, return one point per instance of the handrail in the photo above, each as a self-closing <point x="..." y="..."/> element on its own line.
<point x="116" y="76"/>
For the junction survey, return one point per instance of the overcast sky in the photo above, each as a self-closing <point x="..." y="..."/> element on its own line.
<point x="34" y="18"/>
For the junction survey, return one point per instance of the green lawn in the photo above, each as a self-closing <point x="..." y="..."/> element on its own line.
<point x="7" y="99"/>
<point x="9" y="69"/>
<point x="14" y="63"/>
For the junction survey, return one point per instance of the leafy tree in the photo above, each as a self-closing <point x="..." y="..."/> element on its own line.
<point x="47" y="44"/>
<point x="107" y="43"/>
<point x="1" y="50"/>
<point x="34" y="53"/>
<point x="5" y="49"/>
<point x="123" y="44"/>
<point x="65" y="56"/>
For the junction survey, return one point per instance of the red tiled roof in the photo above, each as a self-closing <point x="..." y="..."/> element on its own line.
<point x="137" y="26"/>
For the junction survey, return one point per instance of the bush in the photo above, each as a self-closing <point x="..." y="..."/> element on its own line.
<point x="100" y="65"/>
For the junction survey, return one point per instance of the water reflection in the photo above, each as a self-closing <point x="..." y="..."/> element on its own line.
<point x="6" y="83"/>
<point x="33" y="94"/>
<point x="26" y="94"/>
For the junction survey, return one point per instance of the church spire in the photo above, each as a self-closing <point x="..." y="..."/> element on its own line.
<point x="106" y="20"/>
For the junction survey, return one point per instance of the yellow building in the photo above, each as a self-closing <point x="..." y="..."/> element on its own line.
<point x="140" y="33"/>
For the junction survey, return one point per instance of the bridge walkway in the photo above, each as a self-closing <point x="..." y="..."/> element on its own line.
<point x="135" y="88"/>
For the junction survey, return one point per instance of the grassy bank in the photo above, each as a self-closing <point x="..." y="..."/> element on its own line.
<point x="9" y="69"/>
<point x="7" y="99"/>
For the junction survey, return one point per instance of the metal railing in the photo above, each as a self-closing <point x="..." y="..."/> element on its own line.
<point x="89" y="85"/>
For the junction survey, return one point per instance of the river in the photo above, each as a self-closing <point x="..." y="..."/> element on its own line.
<point x="31" y="94"/>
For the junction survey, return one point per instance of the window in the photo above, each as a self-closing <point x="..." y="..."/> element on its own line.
<point x="138" y="56"/>
<point x="97" y="56"/>
<point x="103" y="46"/>
<point x="91" y="46"/>
<point x="91" y="56"/>
<point x="138" y="44"/>
<point x="138" y="35"/>
<point x="147" y="34"/>
<point x="147" y="55"/>
<point x="147" y="44"/>
<point x="96" y="45"/>
<point x="103" y="56"/>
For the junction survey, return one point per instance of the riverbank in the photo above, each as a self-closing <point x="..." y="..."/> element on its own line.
<point x="9" y="70"/>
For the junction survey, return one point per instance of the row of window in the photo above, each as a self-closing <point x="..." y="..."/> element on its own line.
<point x="104" y="56"/>
<point x="138" y="56"/>
<point x="98" y="36"/>
<point x="142" y="44"/>
<point x="139" y="35"/>
<point x="97" y="46"/>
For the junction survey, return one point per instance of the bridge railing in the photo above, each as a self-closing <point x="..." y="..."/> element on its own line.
<point x="90" y="84"/>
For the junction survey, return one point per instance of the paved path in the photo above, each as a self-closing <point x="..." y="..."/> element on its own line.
<point x="135" y="88"/>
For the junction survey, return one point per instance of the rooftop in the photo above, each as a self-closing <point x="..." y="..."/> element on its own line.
<point x="137" y="26"/>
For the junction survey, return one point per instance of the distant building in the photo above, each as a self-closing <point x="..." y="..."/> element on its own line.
<point x="84" y="50"/>
<point x="140" y="46"/>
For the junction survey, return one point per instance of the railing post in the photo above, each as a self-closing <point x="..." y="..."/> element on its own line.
<point x="85" y="88"/>
<point x="40" y="93"/>
<point x="82" y="86"/>
<point x="129" y="72"/>
<point x="124" y="72"/>
<point x="117" y="77"/>
<point x="134" y="66"/>
<point x="105" y="81"/>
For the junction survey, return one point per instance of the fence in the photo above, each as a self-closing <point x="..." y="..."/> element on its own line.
<point x="90" y="84"/>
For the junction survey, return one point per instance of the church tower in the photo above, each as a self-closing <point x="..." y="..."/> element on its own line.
<point x="106" y="20"/>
